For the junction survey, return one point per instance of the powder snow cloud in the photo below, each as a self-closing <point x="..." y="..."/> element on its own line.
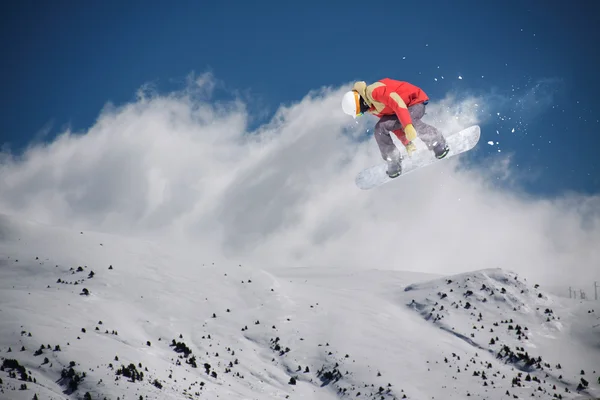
<point x="185" y="167"/>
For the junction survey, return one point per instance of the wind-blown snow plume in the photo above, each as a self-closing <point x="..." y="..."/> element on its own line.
<point x="187" y="167"/>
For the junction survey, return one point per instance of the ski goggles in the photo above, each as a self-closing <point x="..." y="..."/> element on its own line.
<point x="357" y="102"/>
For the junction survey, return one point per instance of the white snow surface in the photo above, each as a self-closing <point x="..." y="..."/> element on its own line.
<point x="340" y="333"/>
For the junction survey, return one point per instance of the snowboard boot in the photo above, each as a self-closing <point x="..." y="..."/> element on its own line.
<point x="441" y="150"/>
<point x="394" y="165"/>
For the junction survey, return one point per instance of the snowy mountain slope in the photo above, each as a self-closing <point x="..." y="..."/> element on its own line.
<point x="553" y="345"/>
<point x="152" y="320"/>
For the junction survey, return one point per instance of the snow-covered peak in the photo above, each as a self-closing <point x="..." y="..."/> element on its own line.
<point x="501" y="314"/>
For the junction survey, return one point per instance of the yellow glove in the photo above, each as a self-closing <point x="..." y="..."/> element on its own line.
<point x="411" y="133"/>
<point x="410" y="148"/>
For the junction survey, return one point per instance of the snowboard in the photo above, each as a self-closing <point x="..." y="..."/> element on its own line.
<point x="459" y="142"/>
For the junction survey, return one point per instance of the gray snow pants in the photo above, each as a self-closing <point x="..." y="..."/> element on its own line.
<point x="389" y="123"/>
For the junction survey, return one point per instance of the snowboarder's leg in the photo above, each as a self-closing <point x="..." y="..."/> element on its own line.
<point x="429" y="134"/>
<point x="385" y="125"/>
<point x="389" y="151"/>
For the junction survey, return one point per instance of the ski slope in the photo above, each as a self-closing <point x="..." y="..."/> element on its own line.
<point x="90" y="315"/>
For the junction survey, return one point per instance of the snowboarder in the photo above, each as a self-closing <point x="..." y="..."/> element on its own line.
<point x="400" y="107"/>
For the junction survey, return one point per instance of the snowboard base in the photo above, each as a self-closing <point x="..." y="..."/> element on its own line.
<point x="459" y="142"/>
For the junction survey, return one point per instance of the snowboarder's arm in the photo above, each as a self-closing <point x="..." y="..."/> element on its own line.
<point x="395" y="102"/>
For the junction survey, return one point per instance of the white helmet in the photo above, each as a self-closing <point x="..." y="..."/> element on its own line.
<point x="351" y="103"/>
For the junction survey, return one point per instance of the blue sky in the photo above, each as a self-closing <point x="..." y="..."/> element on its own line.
<point x="63" y="61"/>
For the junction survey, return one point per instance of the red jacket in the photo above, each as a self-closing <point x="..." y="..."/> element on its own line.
<point x="388" y="96"/>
